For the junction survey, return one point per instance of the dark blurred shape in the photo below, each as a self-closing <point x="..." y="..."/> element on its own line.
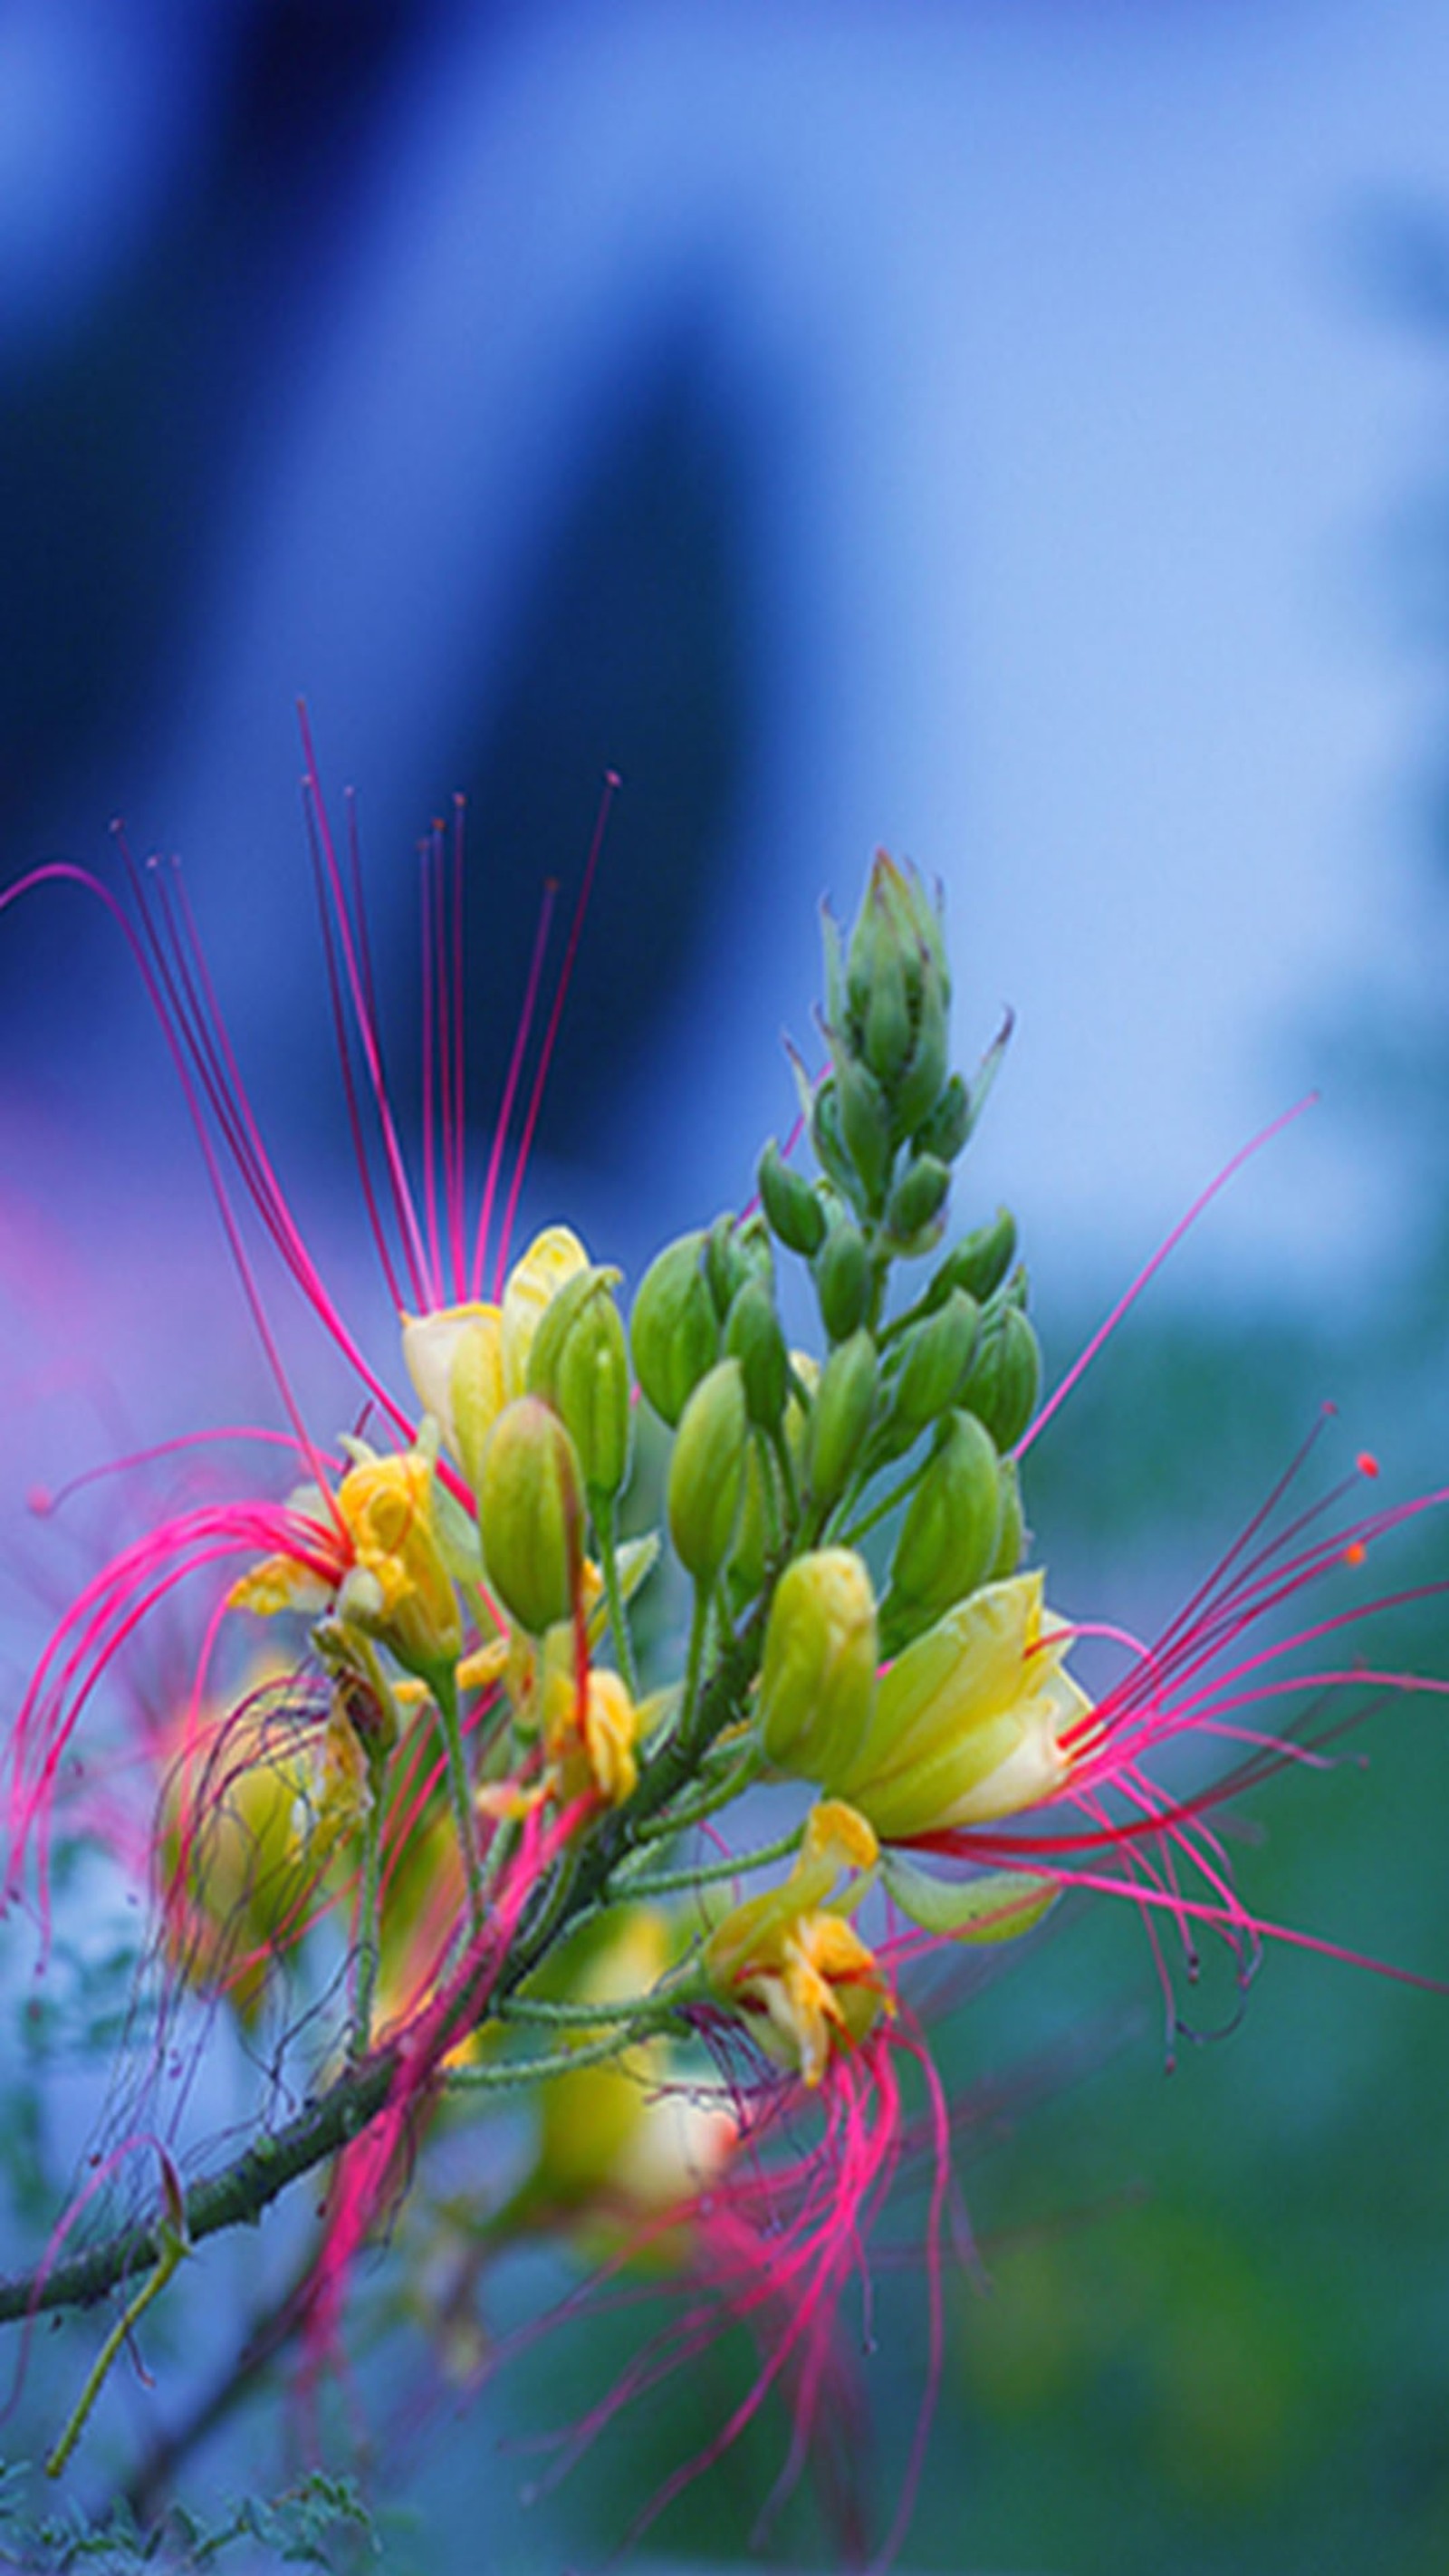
<point x="630" y="658"/>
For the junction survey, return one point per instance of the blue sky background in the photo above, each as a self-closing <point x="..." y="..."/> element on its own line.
<point x="1061" y="439"/>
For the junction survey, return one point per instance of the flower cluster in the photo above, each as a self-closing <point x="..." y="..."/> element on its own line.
<point x="453" y="1746"/>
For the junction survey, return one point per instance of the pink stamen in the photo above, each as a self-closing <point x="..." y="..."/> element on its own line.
<point x="1130" y="1295"/>
<point x="510" y="1087"/>
<point x="612" y="784"/>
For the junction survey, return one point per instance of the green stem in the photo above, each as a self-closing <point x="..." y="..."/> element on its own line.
<point x="679" y="1819"/>
<point x="694" y="1661"/>
<point x="672" y="1882"/>
<point x="369" y="1940"/>
<point x="882" y="1510"/>
<point x="786" y="1465"/>
<point x="444" y="1688"/>
<point x="173" y="2248"/>
<point x="534" y="2070"/>
<point x="607" y="1535"/>
<point x="660" y="2006"/>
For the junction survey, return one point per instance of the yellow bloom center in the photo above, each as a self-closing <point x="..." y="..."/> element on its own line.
<point x="589" y="1738"/>
<point x="790" y="1959"/>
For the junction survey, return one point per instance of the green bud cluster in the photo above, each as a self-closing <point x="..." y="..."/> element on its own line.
<point x="777" y="1461"/>
<point x="772" y="1454"/>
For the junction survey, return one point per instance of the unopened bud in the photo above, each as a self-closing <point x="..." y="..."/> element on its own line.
<point x="935" y="1357"/>
<point x="865" y="1128"/>
<point x="530" y="1515"/>
<point x="707" y="1471"/>
<point x="754" y="1338"/>
<point x="843" y="1280"/>
<point x="455" y="1360"/>
<point x="817" y="1681"/>
<point x="674" y="1330"/>
<point x="899" y="993"/>
<point x="980" y="1261"/>
<point x="553" y="1258"/>
<point x="897" y="922"/>
<point x="949" y="1535"/>
<point x="918" y="1198"/>
<point x="750" y="1551"/>
<point x="921" y="1089"/>
<point x="1005" y="1376"/>
<point x="886" y="1032"/>
<point x="945" y="1131"/>
<point x="826" y="1136"/>
<point x="844" y="1401"/>
<point x="790" y="1203"/>
<point x="725" y="1267"/>
<point x="579" y="1364"/>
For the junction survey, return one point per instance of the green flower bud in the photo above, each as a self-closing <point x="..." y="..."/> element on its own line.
<point x="579" y="1364"/>
<point x="865" y="1129"/>
<point x="842" y="1280"/>
<point x="826" y="1136"/>
<point x="886" y="1032"/>
<point x="980" y="1261"/>
<point x="750" y="1553"/>
<point x="1013" y="1523"/>
<point x="949" y="1535"/>
<point x="897" y="928"/>
<point x="790" y="1203"/>
<point x="754" y="1338"/>
<point x="725" y="1266"/>
<point x="1005" y="1377"/>
<point x="935" y="1356"/>
<point x="674" y="1330"/>
<point x="945" y="1132"/>
<point x="707" y="1471"/>
<point x="918" y="1198"/>
<point x="817" y="1680"/>
<point x="919" y="1093"/>
<point x="844" y="1401"/>
<point x="898" y="990"/>
<point x="530" y="1515"/>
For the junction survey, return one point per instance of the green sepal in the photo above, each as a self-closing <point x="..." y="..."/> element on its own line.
<point x="998" y="1906"/>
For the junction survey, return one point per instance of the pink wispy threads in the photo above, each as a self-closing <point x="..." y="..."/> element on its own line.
<point x="404" y="1222"/>
<point x="445" y="2004"/>
<point x="1114" y="1828"/>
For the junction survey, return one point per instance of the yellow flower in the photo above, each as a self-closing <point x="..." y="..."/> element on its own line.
<point x="589" y="1739"/>
<point x="387" y="1575"/>
<point x="792" y="1961"/>
<point x="975" y="1721"/>
<point x="467" y="1362"/>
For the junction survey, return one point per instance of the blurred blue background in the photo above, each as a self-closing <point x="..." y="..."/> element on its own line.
<point x="1013" y="433"/>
